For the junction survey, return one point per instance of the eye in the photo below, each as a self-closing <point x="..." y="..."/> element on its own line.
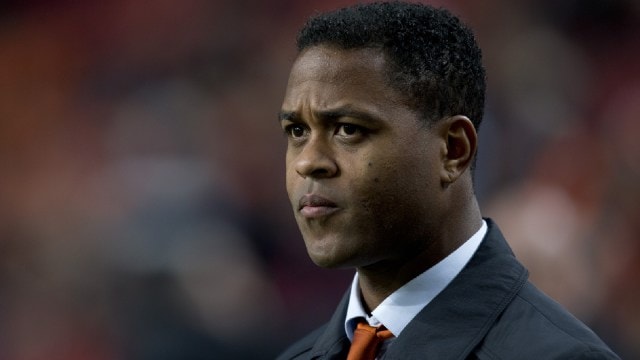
<point x="349" y="130"/>
<point x="295" y="130"/>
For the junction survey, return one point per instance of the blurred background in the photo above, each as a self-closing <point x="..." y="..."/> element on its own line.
<point x="142" y="205"/>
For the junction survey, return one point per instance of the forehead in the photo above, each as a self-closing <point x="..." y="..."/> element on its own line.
<point x="329" y="74"/>
<point x="329" y="62"/>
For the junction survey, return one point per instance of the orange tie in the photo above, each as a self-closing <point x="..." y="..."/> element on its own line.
<point x="366" y="341"/>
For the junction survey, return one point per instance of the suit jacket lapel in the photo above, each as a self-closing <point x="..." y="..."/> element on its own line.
<point x="453" y="324"/>
<point x="333" y="342"/>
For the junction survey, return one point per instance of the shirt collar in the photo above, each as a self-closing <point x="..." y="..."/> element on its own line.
<point x="399" y="308"/>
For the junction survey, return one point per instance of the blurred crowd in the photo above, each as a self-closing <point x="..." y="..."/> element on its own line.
<point x="142" y="205"/>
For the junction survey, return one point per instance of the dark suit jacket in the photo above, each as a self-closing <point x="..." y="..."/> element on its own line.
<point x="489" y="311"/>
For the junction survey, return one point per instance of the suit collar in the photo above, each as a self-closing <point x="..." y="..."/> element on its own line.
<point x="457" y="319"/>
<point x="402" y="306"/>
<point x="453" y="324"/>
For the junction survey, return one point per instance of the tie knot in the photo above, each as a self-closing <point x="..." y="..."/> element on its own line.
<point x="366" y="341"/>
<point x="380" y="332"/>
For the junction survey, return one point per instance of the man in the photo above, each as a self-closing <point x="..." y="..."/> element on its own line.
<point x="381" y="113"/>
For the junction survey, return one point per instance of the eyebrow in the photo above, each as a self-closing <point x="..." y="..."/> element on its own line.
<point x="288" y="115"/>
<point x="330" y="114"/>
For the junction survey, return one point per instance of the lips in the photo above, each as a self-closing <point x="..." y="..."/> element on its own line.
<point x="314" y="206"/>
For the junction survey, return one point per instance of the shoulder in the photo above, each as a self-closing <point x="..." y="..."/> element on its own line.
<point x="301" y="349"/>
<point x="535" y="326"/>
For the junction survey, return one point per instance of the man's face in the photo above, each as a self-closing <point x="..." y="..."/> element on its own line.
<point x="362" y="167"/>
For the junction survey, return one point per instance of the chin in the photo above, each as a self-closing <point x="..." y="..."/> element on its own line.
<point x="323" y="259"/>
<point x="328" y="255"/>
<point x="327" y="262"/>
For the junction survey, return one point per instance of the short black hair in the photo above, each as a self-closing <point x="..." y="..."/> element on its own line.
<point x="434" y="57"/>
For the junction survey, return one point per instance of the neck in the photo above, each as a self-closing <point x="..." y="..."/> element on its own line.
<point x="379" y="280"/>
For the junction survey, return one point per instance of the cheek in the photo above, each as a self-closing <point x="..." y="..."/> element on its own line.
<point x="396" y="184"/>
<point x="374" y="185"/>
<point x="289" y="169"/>
<point x="291" y="178"/>
<point x="290" y="184"/>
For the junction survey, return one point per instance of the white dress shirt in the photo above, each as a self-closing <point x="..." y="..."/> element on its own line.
<point x="399" y="308"/>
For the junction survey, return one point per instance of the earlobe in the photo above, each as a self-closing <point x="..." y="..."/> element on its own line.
<point x="461" y="143"/>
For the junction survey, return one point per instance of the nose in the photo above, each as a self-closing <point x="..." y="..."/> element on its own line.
<point x="316" y="160"/>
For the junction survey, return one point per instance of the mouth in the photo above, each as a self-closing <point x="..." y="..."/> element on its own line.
<point x="313" y="206"/>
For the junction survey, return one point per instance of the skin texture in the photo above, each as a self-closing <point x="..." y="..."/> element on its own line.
<point x="371" y="185"/>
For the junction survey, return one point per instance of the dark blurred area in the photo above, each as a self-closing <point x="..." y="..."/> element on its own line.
<point x="142" y="205"/>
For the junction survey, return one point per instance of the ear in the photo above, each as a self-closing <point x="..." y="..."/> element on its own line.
<point x="460" y="147"/>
